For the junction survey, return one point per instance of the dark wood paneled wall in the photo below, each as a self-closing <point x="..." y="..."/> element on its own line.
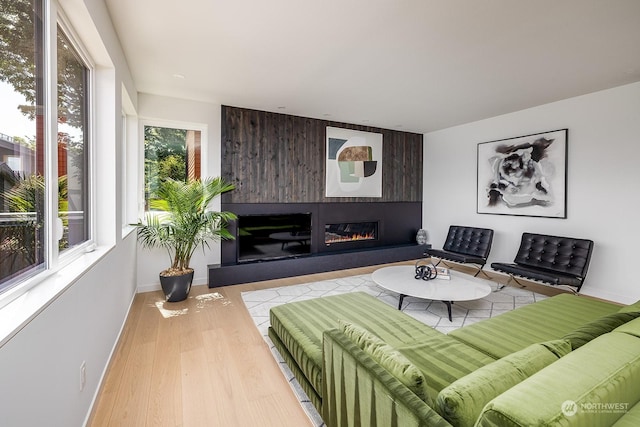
<point x="279" y="158"/>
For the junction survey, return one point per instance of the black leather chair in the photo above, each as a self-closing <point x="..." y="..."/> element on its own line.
<point x="465" y="245"/>
<point x="554" y="260"/>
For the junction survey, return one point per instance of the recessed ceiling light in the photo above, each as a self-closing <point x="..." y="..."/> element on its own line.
<point x="178" y="76"/>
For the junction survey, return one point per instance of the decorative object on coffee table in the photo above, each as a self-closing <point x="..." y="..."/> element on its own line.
<point x="443" y="273"/>
<point x="425" y="270"/>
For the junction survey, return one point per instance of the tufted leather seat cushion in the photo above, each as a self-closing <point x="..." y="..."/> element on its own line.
<point x="465" y="245"/>
<point x="551" y="259"/>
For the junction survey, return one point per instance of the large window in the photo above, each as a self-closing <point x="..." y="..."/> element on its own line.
<point x="169" y="153"/>
<point x="43" y="169"/>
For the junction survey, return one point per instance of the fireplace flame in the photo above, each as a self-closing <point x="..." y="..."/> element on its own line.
<point x="336" y="238"/>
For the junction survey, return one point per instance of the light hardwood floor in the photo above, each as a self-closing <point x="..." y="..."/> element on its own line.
<point x="200" y="362"/>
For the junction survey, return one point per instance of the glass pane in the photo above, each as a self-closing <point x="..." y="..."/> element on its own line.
<point x="21" y="141"/>
<point x="169" y="153"/>
<point x="72" y="144"/>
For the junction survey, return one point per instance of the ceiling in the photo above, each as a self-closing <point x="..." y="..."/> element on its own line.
<point x="413" y="65"/>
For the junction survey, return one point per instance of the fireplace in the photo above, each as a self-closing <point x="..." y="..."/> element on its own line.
<point x="350" y="232"/>
<point x="341" y="235"/>
<point x="335" y="227"/>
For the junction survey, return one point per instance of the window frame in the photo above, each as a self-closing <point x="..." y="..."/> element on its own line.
<point x="53" y="18"/>
<point x="204" y="138"/>
<point x="132" y="208"/>
<point x="70" y="254"/>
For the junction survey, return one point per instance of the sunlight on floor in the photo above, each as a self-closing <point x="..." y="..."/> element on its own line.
<point x="210" y="297"/>
<point x="202" y="301"/>
<point x="170" y="313"/>
<point x="206" y="300"/>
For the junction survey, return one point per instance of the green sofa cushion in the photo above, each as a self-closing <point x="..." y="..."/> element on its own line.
<point x="595" y="328"/>
<point x="559" y="347"/>
<point x="632" y="328"/>
<point x="595" y="380"/>
<point x="631" y="418"/>
<point x="631" y="307"/>
<point x="390" y="359"/>
<point x="545" y="320"/>
<point x="299" y="326"/>
<point x="462" y="402"/>
<point x="443" y="360"/>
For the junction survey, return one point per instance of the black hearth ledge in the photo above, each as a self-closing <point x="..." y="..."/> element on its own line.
<point x="225" y="275"/>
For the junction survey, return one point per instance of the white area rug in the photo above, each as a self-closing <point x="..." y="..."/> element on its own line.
<point x="431" y="313"/>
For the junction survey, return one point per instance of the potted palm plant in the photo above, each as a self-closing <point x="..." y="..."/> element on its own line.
<point x="183" y="224"/>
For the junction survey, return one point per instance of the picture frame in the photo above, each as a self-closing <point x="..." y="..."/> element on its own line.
<point x="524" y="175"/>
<point x="353" y="163"/>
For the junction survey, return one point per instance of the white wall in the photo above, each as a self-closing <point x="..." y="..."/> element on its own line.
<point x="603" y="200"/>
<point x="40" y="374"/>
<point x="174" y="111"/>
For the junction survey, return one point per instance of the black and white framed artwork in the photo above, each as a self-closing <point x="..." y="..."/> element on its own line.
<point x="525" y="175"/>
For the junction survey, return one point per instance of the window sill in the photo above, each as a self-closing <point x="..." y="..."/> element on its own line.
<point x="18" y="313"/>
<point x="127" y="229"/>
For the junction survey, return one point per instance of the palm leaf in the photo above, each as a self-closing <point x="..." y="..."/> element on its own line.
<point x="185" y="221"/>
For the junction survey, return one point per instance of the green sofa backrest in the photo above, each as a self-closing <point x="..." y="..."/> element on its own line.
<point x="462" y="401"/>
<point x="592" y="386"/>
<point x="545" y="320"/>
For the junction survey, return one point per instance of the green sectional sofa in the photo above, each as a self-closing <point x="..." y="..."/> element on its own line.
<point x="567" y="360"/>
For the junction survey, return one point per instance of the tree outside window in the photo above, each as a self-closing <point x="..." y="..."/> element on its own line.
<point x="169" y="153"/>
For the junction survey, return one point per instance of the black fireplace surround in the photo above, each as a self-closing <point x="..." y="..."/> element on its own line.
<point x="396" y="224"/>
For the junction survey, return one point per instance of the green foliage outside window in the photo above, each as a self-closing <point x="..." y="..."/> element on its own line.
<point x="165" y="157"/>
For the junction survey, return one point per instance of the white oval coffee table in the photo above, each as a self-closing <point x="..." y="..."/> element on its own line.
<point x="401" y="279"/>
